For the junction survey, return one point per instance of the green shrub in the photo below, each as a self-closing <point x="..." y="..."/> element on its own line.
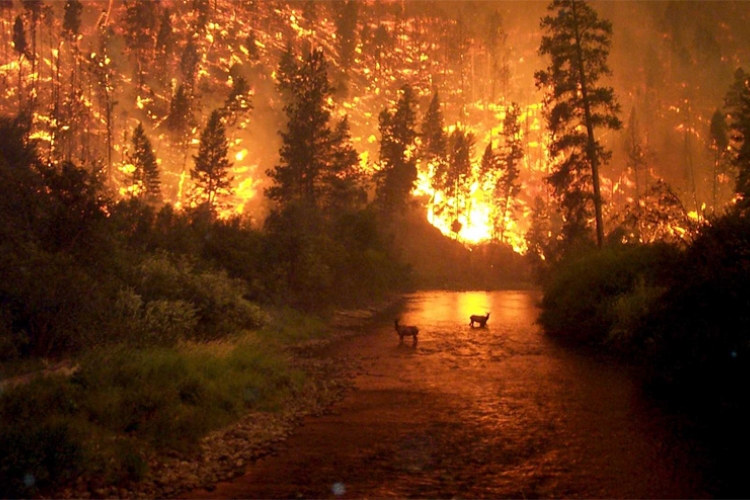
<point x="581" y="296"/>
<point x="180" y="301"/>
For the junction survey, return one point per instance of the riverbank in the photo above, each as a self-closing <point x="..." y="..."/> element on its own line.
<point x="307" y="384"/>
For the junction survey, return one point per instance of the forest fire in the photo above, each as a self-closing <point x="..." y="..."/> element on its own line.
<point x="199" y="194"/>
<point x="89" y="88"/>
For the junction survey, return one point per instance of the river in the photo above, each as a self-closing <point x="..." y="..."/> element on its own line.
<point x="495" y="412"/>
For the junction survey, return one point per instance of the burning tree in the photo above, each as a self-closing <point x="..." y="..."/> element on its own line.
<point x="578" y="43"/>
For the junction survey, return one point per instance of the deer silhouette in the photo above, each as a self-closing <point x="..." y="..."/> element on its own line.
<point x="481" y="320"/>
<point x="406" y="331"/>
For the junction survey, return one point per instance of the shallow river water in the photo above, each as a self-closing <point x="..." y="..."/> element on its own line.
<point x="495" y="412"/>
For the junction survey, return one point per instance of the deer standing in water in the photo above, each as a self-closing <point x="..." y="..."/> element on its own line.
<point x="481" y="320"/>
<point x="406" y="331"/>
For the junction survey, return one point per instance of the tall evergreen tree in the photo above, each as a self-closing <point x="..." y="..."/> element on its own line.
<point x="432" y="134"/>
<point x="636" y="154"/>
<point x="578" y="43"/>
<point x="719" y="142"/>
<point x="165" y="40"/>
<point x="6" y="14"/>
<point x="252" y="48"/>
<point x="346" y="31"/>
<point x="737" y="103"/>
<point x="189" y="64"/>
<point x="72" y="105"/>
<point x="398" y="174"/>
<point x="211" y="173"/>
<point x="305" y="151"/>
<point x="433" y="145"/>
<point x="459" y="174"/>
<point x="141" y="21"/>
<point x="145" y="184"/>
<point x="495" y="40"/>
<point x="105" y="73"/>
<point x="33" y="9"/>
<point x="22" y="49"/>
<point x="180" y="119"/>
<point x="511" y="155"/>
<point x="342" y="182"/>
<point x="201" y="11"/>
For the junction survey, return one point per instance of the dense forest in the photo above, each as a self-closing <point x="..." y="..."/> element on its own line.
<point x="183" y="170"/>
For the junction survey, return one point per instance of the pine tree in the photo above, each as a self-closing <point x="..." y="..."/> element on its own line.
<point x="511" y="155"/>
<point x="305" y="152"/>
<point x="719" y="142"/>
<point x="398" y="174"/>
<point x="72" y="104"/>
<point x="22" y="49"/>
<point x="432" y="135"/>
<point x="578" y="43"/>
<point x="636" y="154"/>
<point x="33" y="9"/>
<point x="346" y="31"/>
<point x="737" y="104"/>
<point x="189" y="64"/>
<point x="201" y="10"/>
<point x="495" y="40"/>
<point x="165" y="40"/>
<point x="459" y="174"/>
<point x="433" y="145"/>
<point x="342" y="182"/>
<point x="106" y="75"/>
<point x="180" y="119"/>
<point x="211" y="172"/>
<point x="145" y="184"/>
<point x="140" y="29"/>
<point x="6" y="13"/>
<point x="287" y="73"/>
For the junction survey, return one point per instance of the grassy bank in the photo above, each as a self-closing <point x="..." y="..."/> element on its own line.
<point x="124" y="405"/>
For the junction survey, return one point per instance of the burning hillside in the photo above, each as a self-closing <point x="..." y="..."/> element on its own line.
<point x="89" y="72"/>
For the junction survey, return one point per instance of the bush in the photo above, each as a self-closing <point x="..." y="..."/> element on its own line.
<point x="581" y="298"/>
<point x="169" y="299"/>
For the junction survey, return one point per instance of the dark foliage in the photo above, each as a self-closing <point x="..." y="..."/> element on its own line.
<point x="581" y="293"/>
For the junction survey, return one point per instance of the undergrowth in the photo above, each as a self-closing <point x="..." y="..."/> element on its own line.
<point x="123" y="404"/>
